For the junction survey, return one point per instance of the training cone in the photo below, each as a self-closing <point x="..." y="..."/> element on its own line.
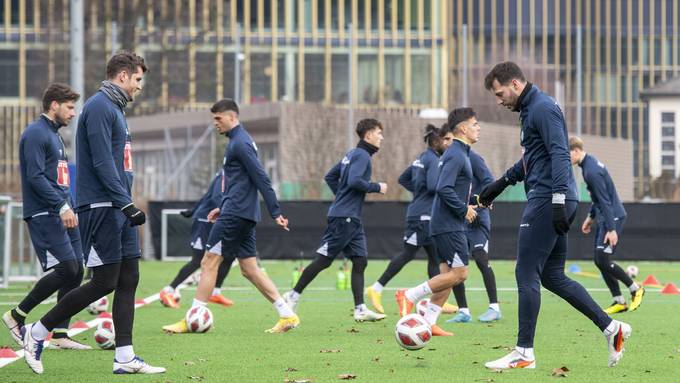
<point x="574" y="269"/>
<point x="105" y="315"/>
<point x="670" y="289"/>
<point x="79" y="324"/>
<point x="7" y="352"/>
<point x="651" y="281"/>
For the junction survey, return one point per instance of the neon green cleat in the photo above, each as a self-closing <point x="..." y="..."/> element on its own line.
<point x="376" y="299"/>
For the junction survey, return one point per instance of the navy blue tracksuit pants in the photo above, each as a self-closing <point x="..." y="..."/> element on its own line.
<point x="541" y="256"/>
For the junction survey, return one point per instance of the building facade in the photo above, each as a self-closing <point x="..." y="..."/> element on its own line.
<point x="626" y="46"/>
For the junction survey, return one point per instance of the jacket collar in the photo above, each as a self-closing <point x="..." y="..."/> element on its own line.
<point x="525" y="97"/>
<point x="234" y="130"/>
<point x="51" y="123"/>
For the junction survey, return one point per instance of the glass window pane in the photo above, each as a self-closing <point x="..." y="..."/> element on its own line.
<point x="340" y="85"/>
<point x="394" y="79"/>
<point x="420" y="78"/>
<point x="205" y="77"/>
<point x="287" y="76"/>
<point x="367" y="79"/>
<point x="260" y="77"/>
<point x="314" y="77"/>
<point x="668" y="117"/>
<point x="9" y="73"/>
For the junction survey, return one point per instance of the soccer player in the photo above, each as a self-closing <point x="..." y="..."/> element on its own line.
<point x="350" y="180"/>
<point x="551" y="206"/>
<point x="420" y="178"/>
<point x="611" y="216"/>
<point x="233" y="234"/>
<point x="107" y="216"/>
<point x="48" y="212"/>
<point x="478" y="234"/>
<point x="200" y="229"/>
<point x="450" y="212"/>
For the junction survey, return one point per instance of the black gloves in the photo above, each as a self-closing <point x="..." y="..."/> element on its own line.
<point x="560" y="220"/>
<point x="186" y="213"/>
<point x="492" y="190"/>
<point x="136" y="216"/>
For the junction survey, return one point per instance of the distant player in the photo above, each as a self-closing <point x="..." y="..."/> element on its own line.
<point x="478" y="234"/>
<point x="200" y="229"/>
<point x="551" y="207"/>
<point x="233" y="234"/>
<point x="450" y="214"/>
<point x="350" y="180"/>
<point x="420" y="178"/>
<point x="107" y="217"/>
<point x="608" y="210"/>
<point x="48" y="212"/>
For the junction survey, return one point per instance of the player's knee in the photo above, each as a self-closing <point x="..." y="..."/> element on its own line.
<point x="481" y="258"/>
<point x="322" y="262"/>
<point x="210" y="261"/>
<point x="129" y="274"/>
<point x="68" y="271"/>
<point x="359" y="264"/>
<point x="104" y="283"/>
<point x="601" y="260"/>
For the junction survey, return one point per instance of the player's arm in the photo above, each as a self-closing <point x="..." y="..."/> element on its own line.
<point x="34" y="152"/>
<point x="598" y="189"/>
<point x="99" y="122"/>
<point x="445" y="190"/>
<point x="481" y="172"/>
<point x="332" y="178"/>
<point x="494" y="189"/>
<point x="431" y="168"/>
<point x="356" y="170"/>
<point x="248" y="156"/>
<point x="406" y="179"/>
<point x="550" y="122"/>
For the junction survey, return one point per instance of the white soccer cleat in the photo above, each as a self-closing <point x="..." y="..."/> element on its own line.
<point x="513" y="360"/>
<point x="136" y="366"/>
<point x="67" y="344"/>
<point x="291" y="302"/>
<point x="32" y="350"/>
<point x="13" y="326"/>
<point x="615" y="342"/>
<point x="368" y="316"/>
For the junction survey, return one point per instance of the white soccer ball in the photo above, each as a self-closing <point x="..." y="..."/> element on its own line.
<point x="421" y="307"/>
<point x="199" y="319"/>
<point x="413" y="332"/>
<point x="105" y="335"/>
<point x="99" y="306"/>
<point x="632" y="271"/>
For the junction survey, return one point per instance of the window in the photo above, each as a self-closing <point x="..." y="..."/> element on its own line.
<point x="340" y="78"/>
<point x="667" y="146"/>
<point x="9" y="73"/>
<point x="394" y="79"/>
<point x="314" y="76"/>
<point x="260" y="77"/>
<point x="205" y="77"/>
<point x="420" y="79"/>
<point x="367" y="79"/>
<point x="668" y="141"/>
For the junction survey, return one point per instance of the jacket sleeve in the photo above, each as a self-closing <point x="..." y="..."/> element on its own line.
<point x="406" y="179"/>
<point x="355" y="180"/>
<point x="34" y="152"/>
<point x="598" y="189"/>
<point x="516" y="173"/>
<point x="592" y="213"/>
<point x="550" y="123"/>
<point x="248" y="156"/>
<point x="431" y="174"/>
<point x="445" y="190"/>
<point x="98" y="121"/>
<point x="332" y="178"/>
<point x="480" y="171"/>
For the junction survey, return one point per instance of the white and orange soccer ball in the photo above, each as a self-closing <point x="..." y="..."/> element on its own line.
<point x="632" y="271"/>
<point x="99" y="306"/>
<point x="199" y="319"/>
<point x="421" y="307"/>
<point x="413" y="332"/>
<point x="105" y="335"/>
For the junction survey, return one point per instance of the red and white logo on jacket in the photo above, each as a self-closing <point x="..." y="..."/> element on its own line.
<point x="63" y="178"/>
<point x="127" y="157"/>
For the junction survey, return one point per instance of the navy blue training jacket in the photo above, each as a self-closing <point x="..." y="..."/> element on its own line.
<point x="420" y="178"/>
<point x="545" y="166"/>
<point x="607" y="206"/>
<point x="211" y="199"/>
<point x="453" y="190"/>
<point x="481" y="176"/>
<point x="44" y="168"/>
<point x="244" y="176"/>
<point x="350" y="180"/>
<point x="103" y="154"/>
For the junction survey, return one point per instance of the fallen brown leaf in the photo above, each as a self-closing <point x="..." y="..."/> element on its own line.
<point x="347" y="376"/>
<point x="291" y="369"/>
<point x="353" y="330"/>
<point x="329" y="351"/>
<point x="196" y="378"/>
<point x="560" y="372"/>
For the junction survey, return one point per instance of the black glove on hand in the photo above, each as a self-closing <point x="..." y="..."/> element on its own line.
<point x="186" y="213"/>
<point x="136" y="216"/>
<point x="492" y="190"/>
<point x="560" y="220"/>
